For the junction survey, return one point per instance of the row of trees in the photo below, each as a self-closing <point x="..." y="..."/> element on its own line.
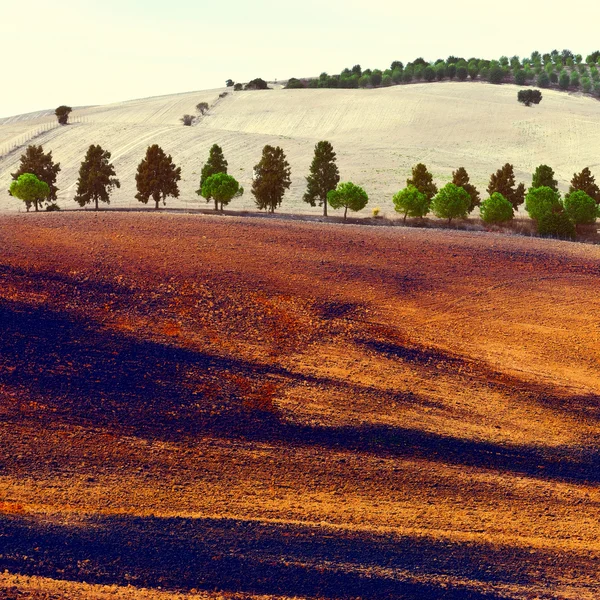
<point x="563" y="70"/>
<point x="157" y="178"/>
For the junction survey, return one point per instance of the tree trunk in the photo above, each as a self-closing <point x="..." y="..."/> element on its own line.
<point x="96" y="203"/>
<point x="405" y="215"/>
<point x="325" y="208"/>
<point x="216" y="204"/>
<point x="345" y="212"/>
<point x="35" y="202"/>
<point x="156" y="206"/>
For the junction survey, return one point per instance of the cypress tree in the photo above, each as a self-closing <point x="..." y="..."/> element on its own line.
<point x="460" y="178"/>
<point x="544" y="176"/>
<point x="585" y="182"/>
<point x="157" y="176"/>
<point x="96" y="177"/>
<point x="324" y="176"/>
<point x="423" y="181"/>
<point x="271" y="179"/>
<point x="216" y="163"/>
<point x="42" y="166"/>
<point x="503" y="182"/>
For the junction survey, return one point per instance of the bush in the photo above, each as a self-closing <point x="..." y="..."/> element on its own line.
<point x="451" y="202"/>
<point x="580" y="208"/>
<point x="187" y="120"/>
<point x="557" y="224"/>
<point x="543" y="80"/>
<point x="575" y="79"/>
<point x="496" y="74"/>
<point x="294" y="84"/>
<point x="529" y="97"/>
<point x="541" y="201"/>
<point x="237" y="87"/>
<point x="564" y="80"/>
<point x="496" y="209"/>
<point x="411" y="202"/>
<point x="257" y="84"/>
<point x="586" y="85"/>
<point x="462" y="73"/>
<point x="520" y="77"/>
<point x="429" y="74"/>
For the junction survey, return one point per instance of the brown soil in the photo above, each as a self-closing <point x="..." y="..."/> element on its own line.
<point x="213" y="407"/>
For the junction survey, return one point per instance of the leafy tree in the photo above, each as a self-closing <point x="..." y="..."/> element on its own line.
<point x="540" y="201"/>
<point x="187" y="120"/>
<point x="62" y="114"/>
<point x="324" y="176"/>
<point x="397" y="75"/>
<point x="30" y="189"/>
<point x="364" y="81"/>
<point x="496" y="209"/>
<point x="96" y="177"/>
<point x="429" y="73"/>
<point x="451" y="70"/>
<point x="229" y="83"/>
<point x="423" y="181"/>
<point x="216" y="163"/>
<point x="544" y="176"/>
<point x="348" y="196"/>
<point x="42" y="166"/>
<point x="543" y="80"/>
<point x="440" y="71"/>
<point x="496" y="74"/>
<point x="271" y="178"/>
<point x="157" y="176"/>
<point x="557" y="223"/>
<point x="202" y="107"/>
<point x="460" y="177"/>
<point x="503" y="181"/>
<point x="294" y="84"/>
<point x="574" y="79"/>
<point x="451" y="202"/>
<point x="376" y="77"/>
<point x="586" y="85"/>
<point x="520" y="77"/>
<point x="529" y="97"/>
<point x="473" y="70"/>
<point x="258" y="84"/>
<point x="462" y="73"/>
<point x="584" y="182"/>
<point x="387" y="80"/>
<point x="411" y="202"/>
<point x="397" y="64"/>
<point x="222" y="188"/>
<point x="580" y="208"/>
<point x="564" y="80"/>
<point x="237" y="87"/>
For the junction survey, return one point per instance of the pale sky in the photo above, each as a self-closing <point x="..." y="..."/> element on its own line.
<point x="82" y="52"/>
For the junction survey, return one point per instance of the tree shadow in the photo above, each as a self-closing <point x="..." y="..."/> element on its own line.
<point x="233" y="555"/>
<point x="89" y="375"/>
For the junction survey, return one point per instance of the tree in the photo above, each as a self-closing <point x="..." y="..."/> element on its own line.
<point x="460" y="177"/>
<point x="544" y="176"/>
<point x="411" y="202"/>
<point x="202" y="107"/>
<point x="564" y="80"/>
<point x="96" y="177"/>
<point x="324" y="176"/>
<point x="30" y="189"/>
<point x="496" y="209"/>
<point x="540" y="201"/>
<point x="503" y="181"/>
<point x="187" y="120"/>
<point x="585" y="182"/>
<point x="496" y="74"/>
<point x="580" y="208"/>
<point x="257" y="84"/>
<point x="423" y="181"/>
<point x="529" y="97"/>
<point x="429" y="73"/>
<point x="271" y="178"/>
<point x="62" y="114"/>
<point x="294" y="84"/>
<point x="42" y="166"/>
<point x="216" y="163"/>
<point x="543" y="80"/>
<point x="520" y="77"/>
<point x="348" y="196"/>
<point x="451" y="202"/>
<point x="557" y="223"/>
<point x="222" y="188"/>
<point x="229" y="83"/>
<point x="237" y="87"/>
<point x="462" y="73"/>
<point x="157" y="177"/>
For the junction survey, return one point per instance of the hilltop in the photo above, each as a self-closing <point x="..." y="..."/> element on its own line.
<point x="378" y="135"/>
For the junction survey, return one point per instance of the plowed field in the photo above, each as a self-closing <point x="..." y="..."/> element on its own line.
<point x="215" y="407"/>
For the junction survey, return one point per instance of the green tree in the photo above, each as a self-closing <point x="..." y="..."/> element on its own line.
<point x="556" y="223"/>
<point x="496" y="209"/>
<point x="462" y="72"/>
<point x="460" y="177"/>
<point x="157" y="177"/>
<point x="30" y="189"/>
<point x="422" y="180"/>
<point x="324" y="176"/>
<point x="503" y="181"/>
<point x="348" y="196"/>
<point x="42" y="166"/>
<point x="496" y="74"/>
<point x="271" y="178"/>
<point x="540" y="201"/>
<point x="62" y="114"/>
<point x="451" y="202"/>
<point x="574" y="83"/>
<point x="216" y="163"/>
<point x="585" y="182"/>
<point x="376" y="77"/>
<point x="580" y="208"/>
<point x="429" y="73"/>
<point x="564" y="80"/>
<point x="96" y="177"/>
<point x="520" y="77"/>
<point x="222" y="188"/>
<point x="544" y="176"/>
<point x="543" y="80"/>
<point x="411" y="202"/>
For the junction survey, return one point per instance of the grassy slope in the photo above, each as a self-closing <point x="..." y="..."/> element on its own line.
<point x="378" y="135"/>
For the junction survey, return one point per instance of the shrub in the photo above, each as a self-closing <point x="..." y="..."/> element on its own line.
<point x="557" y="224"/>
<point x="387" y="80"/>
<point x="520" y="77"/>
<point x="541" y="201"/>
<point x="543" y="80"/>
<point x="496" y="209"/>
<point x="564" y="80"/>
<point x="237" y="87"/>
<point x="462" y="73"/>
<point x="581" y="208"/>
<point x="529" y="97"/>
<point x="411" y="202"/>
<point x="257" y="84"/>
<point x="187" y="120"/>
<point x="429" y="73"/>
<point x="586" y="85"/>
<point x="294" y="84"/>
<point x="496" y="74"/>
<point x="451" y="202"/>
<point x="574" y="79"/>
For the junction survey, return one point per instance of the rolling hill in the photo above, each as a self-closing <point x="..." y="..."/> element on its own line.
<point x="378" y="135"/>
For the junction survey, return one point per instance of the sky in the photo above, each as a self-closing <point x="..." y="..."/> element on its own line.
<point x="84" y="52"/>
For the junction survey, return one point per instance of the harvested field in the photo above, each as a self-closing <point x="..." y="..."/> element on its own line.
<point x="214" y="407"/>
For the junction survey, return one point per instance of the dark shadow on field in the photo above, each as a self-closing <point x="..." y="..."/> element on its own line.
<point x="88" y="375"/>
<point x="256" y="557"/>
